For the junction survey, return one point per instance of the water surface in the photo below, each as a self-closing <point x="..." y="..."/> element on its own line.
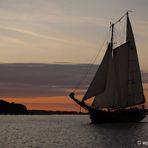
<point x="69" y="131"/>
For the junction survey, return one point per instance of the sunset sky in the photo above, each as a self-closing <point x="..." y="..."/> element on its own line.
<point x="57" y="33"/>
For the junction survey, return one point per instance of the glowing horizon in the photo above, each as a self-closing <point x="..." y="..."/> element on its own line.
<point x="56" y="103"/>
<point x="46" y="86"/>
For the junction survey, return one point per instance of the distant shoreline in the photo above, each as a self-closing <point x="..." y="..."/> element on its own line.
<point x="7" y="108"/>
<point x="44" y="112"/>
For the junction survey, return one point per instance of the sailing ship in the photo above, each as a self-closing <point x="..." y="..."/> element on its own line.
<point x="116" y="88"/>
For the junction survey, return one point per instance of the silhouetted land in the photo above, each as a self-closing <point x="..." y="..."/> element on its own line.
<point x="12" y="108"/>
<point x="43" y="112"/>
<point x="7" y="108"/>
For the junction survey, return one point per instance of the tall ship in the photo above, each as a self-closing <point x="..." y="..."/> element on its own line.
<point x="116" y="88"/>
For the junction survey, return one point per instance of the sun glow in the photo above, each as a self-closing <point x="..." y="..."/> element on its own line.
<point x="60" y="103"/>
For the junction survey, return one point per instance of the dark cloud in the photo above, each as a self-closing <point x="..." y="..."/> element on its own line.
<point x="36" y="80"/>
<point x="144" y="76"/>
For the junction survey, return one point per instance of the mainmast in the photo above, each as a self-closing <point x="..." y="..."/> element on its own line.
<point x="112" y="34"/>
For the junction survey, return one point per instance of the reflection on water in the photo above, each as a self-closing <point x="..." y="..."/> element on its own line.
<point x="70" y="131"/>
<point x="120" y="135"/>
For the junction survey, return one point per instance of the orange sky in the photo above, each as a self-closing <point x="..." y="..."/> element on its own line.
<point x="60" y="103"/>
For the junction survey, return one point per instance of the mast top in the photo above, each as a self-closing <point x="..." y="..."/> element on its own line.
<point x="113" y="24"/>
<point x="126" y="14"/>
<point x="112" y="34"/>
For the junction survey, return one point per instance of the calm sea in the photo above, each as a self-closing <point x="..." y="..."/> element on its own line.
<point x="69" y="131"/>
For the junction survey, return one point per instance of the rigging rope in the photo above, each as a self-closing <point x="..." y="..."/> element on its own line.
<point x="92" y="61"/>
<point x="122" y="16"/>
<point x="119" y="37"/>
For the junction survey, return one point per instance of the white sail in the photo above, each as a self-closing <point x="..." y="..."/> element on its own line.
<point x="99" y="82"/>
<point x="135" y="88"/>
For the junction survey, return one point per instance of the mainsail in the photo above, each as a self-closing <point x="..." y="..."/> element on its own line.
<point x="135" y="88"/>
<point x="117" y="82"/>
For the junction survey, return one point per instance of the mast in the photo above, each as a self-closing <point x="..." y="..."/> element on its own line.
<point x="112" y="43"/>
<point x="112" y="34"/>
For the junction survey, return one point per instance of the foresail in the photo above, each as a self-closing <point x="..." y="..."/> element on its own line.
<point x="98" y="84"/>
<point x="135" y="88"/>
<point x="109" y="97"/>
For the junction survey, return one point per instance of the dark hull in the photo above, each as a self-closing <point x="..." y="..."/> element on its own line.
<point x="124" y="115"/>
<point x="130" y="115"/>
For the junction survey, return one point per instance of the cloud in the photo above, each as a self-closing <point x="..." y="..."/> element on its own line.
<point x="62" y="39"/>
<point x="37" y="80"/>
<point x="31" y="33"/>
<point x="45" y="80"/>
